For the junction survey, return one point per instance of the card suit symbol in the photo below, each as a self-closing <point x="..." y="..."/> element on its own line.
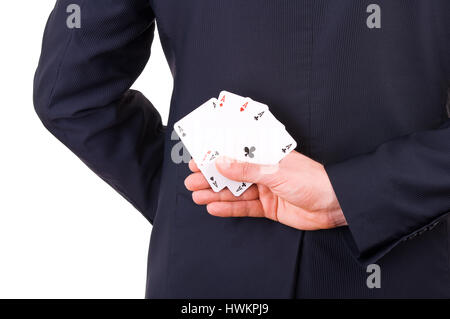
<point x="256" y="118"/>
<point x="221" y="104"/>
<point x="249" y="151"/>
<point x="242" y="109"/>
<point x="212" y="178"/>
<point x="243" y="185"/>
<point x="286" y="148"/>
<point x="181" y="131"/>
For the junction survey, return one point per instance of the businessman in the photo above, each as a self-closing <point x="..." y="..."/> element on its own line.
<point x="360" y="209"/>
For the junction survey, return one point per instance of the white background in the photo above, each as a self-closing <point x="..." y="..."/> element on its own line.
<point x="64" y="233"/>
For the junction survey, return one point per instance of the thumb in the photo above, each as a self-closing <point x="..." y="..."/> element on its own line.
<point x="245" y="171"/>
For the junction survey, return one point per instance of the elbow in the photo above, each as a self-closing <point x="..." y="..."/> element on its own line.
<point x="41" y="112"/>
<point x="42" y="106"/>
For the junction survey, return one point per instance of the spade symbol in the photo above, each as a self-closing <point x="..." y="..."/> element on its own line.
<point x="249" y="151"/>
<point x="213" y="180"/>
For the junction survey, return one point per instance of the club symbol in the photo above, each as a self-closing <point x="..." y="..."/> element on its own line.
<point x="249" y="151"/>
<point x="243" y="185"/>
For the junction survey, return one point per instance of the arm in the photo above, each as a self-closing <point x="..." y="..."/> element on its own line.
<point x="82" y="95"/>
<point x="390" y="195"/>
<point x="394" y="193"/>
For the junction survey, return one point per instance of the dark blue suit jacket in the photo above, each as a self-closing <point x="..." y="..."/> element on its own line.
<point x="369" y="103"/>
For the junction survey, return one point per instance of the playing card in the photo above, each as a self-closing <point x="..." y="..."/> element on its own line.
<point x="231" y="102"/>
<point x="259" y="143"/>
<point x="237" y="127"/>
<point x="208" y="168"/>
<point x="238" y="188"/>
<point x="197" y="129"/>
<point x="234" y="108"/>
<point x="259" y="114"/>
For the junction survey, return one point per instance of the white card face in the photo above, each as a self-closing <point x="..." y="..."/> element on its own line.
<point x="238" y="188"/>
<point x="258" y="115"/>
<point x="230" y="102"/>
<point x="235" y="109"/>
<point x="197" y="129"/>
<point x="208" y="168"/>
<point x="237" y="127"/>
<point x="259" y="143"/>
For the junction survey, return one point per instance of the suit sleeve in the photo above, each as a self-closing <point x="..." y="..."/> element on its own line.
<point x="82" y="94"/>
<point x="395" y="193"/>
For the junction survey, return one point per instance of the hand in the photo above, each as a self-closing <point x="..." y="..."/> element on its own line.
<point x="297" y="192"/>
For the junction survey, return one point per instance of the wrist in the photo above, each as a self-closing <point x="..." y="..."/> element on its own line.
<point x="332" y="206"/>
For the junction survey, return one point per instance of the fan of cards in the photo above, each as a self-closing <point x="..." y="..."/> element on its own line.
<point x="236" y="127"/>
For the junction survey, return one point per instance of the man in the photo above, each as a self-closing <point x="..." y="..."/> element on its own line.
<point x="359" y="210"/>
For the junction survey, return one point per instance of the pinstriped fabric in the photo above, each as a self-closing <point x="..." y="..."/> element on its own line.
<point x="369" y="103"/>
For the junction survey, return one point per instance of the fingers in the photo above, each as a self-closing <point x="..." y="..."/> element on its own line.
<point x="193" y="167"/>
<point x="195" y="182"/>
<point x="244" y="171"/>
<point x="206" y="196"/>
<point x="251" y="208"/>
